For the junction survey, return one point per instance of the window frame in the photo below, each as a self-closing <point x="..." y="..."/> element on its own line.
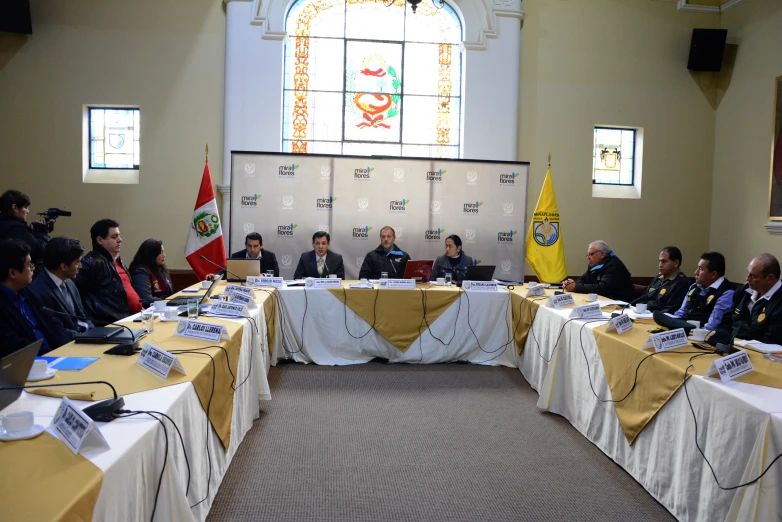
<point x="90" y="141"/>
<point x="635" y="151"/>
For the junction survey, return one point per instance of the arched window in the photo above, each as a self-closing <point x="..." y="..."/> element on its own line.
<point x="365" y="78"/>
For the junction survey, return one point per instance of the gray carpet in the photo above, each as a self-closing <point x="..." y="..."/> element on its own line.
<point x="380" y="442"/>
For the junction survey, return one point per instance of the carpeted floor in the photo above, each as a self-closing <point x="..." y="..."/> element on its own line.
<point x="380" y="442"/>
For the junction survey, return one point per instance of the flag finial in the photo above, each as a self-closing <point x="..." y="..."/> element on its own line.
<point x="206" y="151"/>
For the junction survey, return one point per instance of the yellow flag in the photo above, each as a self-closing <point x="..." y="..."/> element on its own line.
<point x="545" y="249"/>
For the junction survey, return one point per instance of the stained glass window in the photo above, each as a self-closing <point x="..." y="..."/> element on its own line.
<point x="366" y="78"/>
<point x="114" y="138"/>
<point x="613" y="156"/>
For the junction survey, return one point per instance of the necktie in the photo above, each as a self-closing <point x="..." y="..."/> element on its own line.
<point x="67" y="297"/>
<point x="320" y="265"/>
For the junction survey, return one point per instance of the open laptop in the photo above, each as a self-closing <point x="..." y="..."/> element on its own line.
<point x="479" y="272"/>
<point x="419" y="270"/>
<point x="179" y="301"/>
<point x="14" y="369"/>
<point x="243" y="268"/>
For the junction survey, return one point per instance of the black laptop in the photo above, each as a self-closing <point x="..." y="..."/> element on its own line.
<point x="479" y="273"/>
<point x="14" y="369"/>
<point x="179" y="301"/>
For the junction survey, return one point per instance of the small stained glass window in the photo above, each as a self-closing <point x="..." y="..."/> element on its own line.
<point x="114" y="138"/>
<point x="613" y="156"/>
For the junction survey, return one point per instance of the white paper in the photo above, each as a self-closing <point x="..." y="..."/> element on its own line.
<point x="558" y="301"/>
<point x="324" y="282"/>
<point x="620" y="323"/>
<point x="398" y="284"/>
<point x="159" y="361"/>
<point x="758" y="346"/>
<point x="228" y="309"/>
<point x="589" y="311"/>
<point x="75" y="429"/>
<point x="664" y="341"/>
<point x="479" y="286"/>
<point x="731" y="366"/>
<point x="200" y="330"/>
<point x="276" y="282"/>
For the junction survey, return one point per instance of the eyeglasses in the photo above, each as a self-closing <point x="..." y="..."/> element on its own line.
<point x="752" y="277"/>
<point x="590" y="254"/>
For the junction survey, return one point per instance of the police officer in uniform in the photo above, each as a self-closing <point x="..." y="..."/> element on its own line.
<point x="757" y="306"/>
<point x="666" y="291"/>
<point x="710" y="298"/>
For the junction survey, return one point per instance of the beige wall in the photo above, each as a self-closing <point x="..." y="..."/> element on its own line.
<point x="618" y="62"/>
<point x="165" y="56"/>
<point x="742" y="161"/>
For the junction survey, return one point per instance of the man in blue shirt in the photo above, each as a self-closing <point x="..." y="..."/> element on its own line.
<point x="711" y="296"/>
<point x="22" y="321"/>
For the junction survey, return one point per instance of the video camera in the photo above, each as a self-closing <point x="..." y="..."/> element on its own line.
<point x="51" y="215"/>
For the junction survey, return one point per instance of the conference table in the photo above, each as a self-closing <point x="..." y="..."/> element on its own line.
<point x="43" y="480"/>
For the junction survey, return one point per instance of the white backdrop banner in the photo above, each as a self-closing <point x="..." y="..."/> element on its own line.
<point x="288" y="197"/>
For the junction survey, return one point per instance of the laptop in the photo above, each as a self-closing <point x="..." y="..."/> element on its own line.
<point x="419" y="270"/>
<point x="243" y="268"/>
<point x="672" y="323"/>
<point x="179" y="301"/>
<point x="14" y="369"/>
<point x="479" y="272"/>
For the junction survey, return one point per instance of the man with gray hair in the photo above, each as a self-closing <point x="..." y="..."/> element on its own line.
<point x="606" y="275"/>
<point x="387" y="258"/>
<point x="757" y="306"/>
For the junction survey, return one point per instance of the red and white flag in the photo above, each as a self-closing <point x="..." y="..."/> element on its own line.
<point x="205" y="237"/>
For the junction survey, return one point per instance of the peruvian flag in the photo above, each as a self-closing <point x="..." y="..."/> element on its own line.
<point x="205" y="236"/>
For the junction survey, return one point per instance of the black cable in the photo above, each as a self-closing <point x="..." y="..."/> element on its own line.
<point x="281" y="310"/>
<point x="531" y="320"/>
<point x="429" y="327"/>
<point x="501" y="347"/>
<point x="345" y="310"/>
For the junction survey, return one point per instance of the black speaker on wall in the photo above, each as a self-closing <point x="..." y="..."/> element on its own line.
<point x="15" y="17"/>
<point x="707" y="49"/>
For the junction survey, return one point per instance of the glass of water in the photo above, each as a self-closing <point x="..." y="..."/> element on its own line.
<point x="448" y="278"/>
<point x="383" y="276"/>
<point x="270" y="273"/>
<point x="192" y="309"/>
<point x="148" y="319"/>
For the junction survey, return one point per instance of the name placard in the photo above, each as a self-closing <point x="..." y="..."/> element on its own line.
<point x="231" y="289"/>
<point x="73" y="427"/>
<point x="276" y="282"/>
<point x="535" y="291"/>
<point x="589" y="311"/>
<point x="398" y="284"/>
<point x="559" y="301"/>
<point x="664" y="341"/>
<point x="201" y="331"/>
<point x="159" y="361"/>
<point x="323" y="282"/>
<point x="731" y="366"/>
<point x="244" y="300"/>
<point x="620" y="323"/>
<point x="479" y="286"/>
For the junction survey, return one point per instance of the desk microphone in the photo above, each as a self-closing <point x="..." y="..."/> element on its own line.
<point x="222" y="267"/>
<point x="103" y="411"/>
<point x="121" y="349"/>
<point x="625" y="306"/>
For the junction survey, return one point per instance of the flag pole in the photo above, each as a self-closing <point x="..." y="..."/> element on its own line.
<point x="206" y="153"/>
<point x="549" y="159"/>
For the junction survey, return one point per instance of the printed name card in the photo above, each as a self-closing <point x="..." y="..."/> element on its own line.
<point x="159" y="361"/>
<point x="398" y="284"/>
<point x="244" y="300"/>
<point x="620" y="323"/>
<point x="535" y="291"/>
<point x="76" y="429"/>
<point x="323" y="282"/>
<point x="559" y="301"/>
<point x="276" y="282"/>
<point x="664" y="341"/>
<point x="231" y="289"/>
<point x="201" y="331"/>
<point x="228" y="309"/>
<point x="479" y="286"/>
<point x="590" y="311"/>
<point x="731" y="366"/>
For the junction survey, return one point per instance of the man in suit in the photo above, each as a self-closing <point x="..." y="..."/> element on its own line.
<point x="55" y="287"/>
<point x="320" y="261"/>
<point x="21" y="320"/>
<point x="253" y="249"/>
<point x="606" y="275"/>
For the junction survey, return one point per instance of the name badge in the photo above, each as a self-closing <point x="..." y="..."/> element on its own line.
<point x="535" y="291"/>
<point x="159" y="361"/>
<point x="323" y="282"/>
<point x="228" y="309"/>
<point x="589" y="311"/>
<point x="398" y="284"/>
<point x="731" y="366"/>
<point x="244" y="300"/>
<point x="276" y="282"/>
<point x="664" y="341"/>
<point x="73" y="427"/>
<point x="201" y="331"/>
<point x="620" y="323"/>
<point x="238" y="289"/>
<point x="558" y="301"/>
<point x="479" y="286"/>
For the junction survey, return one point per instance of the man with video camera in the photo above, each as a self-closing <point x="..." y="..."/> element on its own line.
<point x="14" y="207"/>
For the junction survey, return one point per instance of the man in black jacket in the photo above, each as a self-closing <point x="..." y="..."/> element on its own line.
<point x="253" y="249"/>
<point x="606" y="275"/>
<point x="14" y="208"/>
<point x="320" y="261"/>
<point x="667" y="291"/>
<point x="22" y="321"/>
<point x="56" y="289"/>
<point x="387" y="258"/>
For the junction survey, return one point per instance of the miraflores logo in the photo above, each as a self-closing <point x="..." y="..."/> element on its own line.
<point x="398" y="205"/>
<point x="399" y="175"/>
<point x="508" y="179"/>
<point x="251" y="200"/>
<point x="288" y="171"/>
<point x="325" y="171"/>
<point x="286" y="231"/>
<point x="506" y="265"/>
<point x="471" y="209"/>
<point x="249" y="170"/>
<point x="469" y="235"/>
<point x="506" y="237"/>
<point x="359" y="262"/>
<point x="433" y="235"/>
<point x="478" y="261"/>
<point x="398" y="232"/>
<point x="362" y="174"/>
<point x="435" y="176"/>
<point x="325" y="203"/>
<point x="323" y="228"/>
<point x="249" y="227"/>
<point x="361" y="233"/>
<point x="287" y="202"/>
<point x="472" y="178"/>
<point x="435" y="206"/>
<point x="287" y="260"/>
<point x="507" y="209"/>
<point x="363" y="204"/>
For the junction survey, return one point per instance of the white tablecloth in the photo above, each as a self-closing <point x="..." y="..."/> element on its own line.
<point x="327" y="340"/>
<point x="739" y="428"/>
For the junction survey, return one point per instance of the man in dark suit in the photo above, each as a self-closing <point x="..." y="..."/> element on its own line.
<point x="55" y="287"/>
<point x="606" y="275"/>
<point x="320" y="261"/>
<point x="21" y="320"/>
<point x="253" y="249"/>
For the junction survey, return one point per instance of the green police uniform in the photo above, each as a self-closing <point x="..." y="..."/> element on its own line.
<point x="666" y="294"/>
<point x="762" y="323"/>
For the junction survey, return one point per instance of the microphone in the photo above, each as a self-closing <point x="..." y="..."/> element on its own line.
<point x="625" y="306"/>
<point x="121" y="349"/>
<point x="221" y="267"/>
<point x="103" y="411"/>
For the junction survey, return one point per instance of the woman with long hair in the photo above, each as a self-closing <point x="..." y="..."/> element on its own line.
<point x="149" y="274"/>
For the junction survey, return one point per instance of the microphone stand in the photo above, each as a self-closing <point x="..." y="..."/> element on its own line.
<point x="121" y="349"/>
<point x="221" y="267"/>
<point x="103" y="411"/>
